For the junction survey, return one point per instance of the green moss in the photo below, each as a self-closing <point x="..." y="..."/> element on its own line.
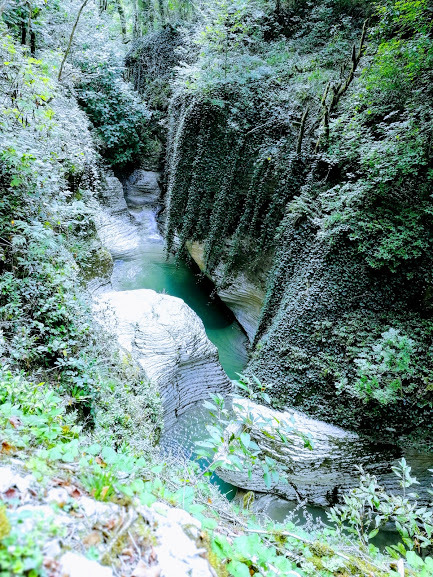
<point x="98" y="263"/>
<point x="5" y="526"/>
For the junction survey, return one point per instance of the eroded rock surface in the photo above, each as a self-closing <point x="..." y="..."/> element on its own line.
<point x="142" y="188"/>
<point x="168" y="340"/>
<point x="114" y="224"/>
<point x="243" y="297"/>
<point x="320" y="475"/>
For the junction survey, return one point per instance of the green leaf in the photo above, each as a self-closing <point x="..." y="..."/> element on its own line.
<point x="238" y="569"/>
<point x="413" y="560"/>
<point x="94" y="449"/>
<point x="245" y="440"/>
<point x="209" y="523"/>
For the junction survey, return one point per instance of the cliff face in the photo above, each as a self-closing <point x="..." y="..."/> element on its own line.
<point x="325" y="308"/>
<point x="306" y="174"/>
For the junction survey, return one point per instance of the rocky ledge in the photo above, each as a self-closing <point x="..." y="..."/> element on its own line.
<point x="323" y="473"/>
<point x="244" y="298"/>
<point x="168" y="341"/>
<point x="71" y="527"/>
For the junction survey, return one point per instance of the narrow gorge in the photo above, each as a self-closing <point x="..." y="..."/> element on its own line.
<point x="216" y="320"/>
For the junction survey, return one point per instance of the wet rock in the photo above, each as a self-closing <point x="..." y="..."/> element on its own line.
<point x="112" y="197"/>
<point x="168" y="341"/>
<point x="114" y="224"/>
<point x="75" y="565"/>
<point x="323" y="474"/>
<point x="142" y="188"/>
<point x="242" y="296"/>
<point x="99" y="263"/>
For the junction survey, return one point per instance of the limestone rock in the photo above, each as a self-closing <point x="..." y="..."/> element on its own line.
<point x="97" y="510"/>
<point x="243" y="297"/>
<point x="58" y="496"/>
<point x="114" y="224"/>
<point x="75" y="565"/>
<point x="320" y="475"/>
<point x="112" y="196"/>
<point x="142" y="188"/>
<point x="177" y="551"/>
<point x="10" y="477"/>
<point x="168" y="340"/>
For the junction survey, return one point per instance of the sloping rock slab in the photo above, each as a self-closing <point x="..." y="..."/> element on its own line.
<point x="243" y="298"/>
<point x="320" y="475"/>
<point x="142" y="188"/>
<point x="114" y="224"/>
<point x="168" y="340"/>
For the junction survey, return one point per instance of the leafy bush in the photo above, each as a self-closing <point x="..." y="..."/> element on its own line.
<point x="230" y="446"/>
<point x="385" y="367"/>
<point x="121" y="119"/>
<point x="368" y="508"/>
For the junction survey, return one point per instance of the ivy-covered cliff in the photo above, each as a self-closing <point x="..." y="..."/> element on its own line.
<point x="300" y="135"/>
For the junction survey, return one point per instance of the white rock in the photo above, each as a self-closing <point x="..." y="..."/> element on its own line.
<point x="244" y="298"/>
<point x="58" y="496"/>
<point x="320" y="475"/>
<point x="180" y="517"/>
<point x="9" y="477"/>
<point x="75" y="565"/>
<point x="177" y="551"/>
<point x="142" y="188"/>
<point x="96" y="509"/>
<point x="168" y="340"/>
<point x="52" y="549"/>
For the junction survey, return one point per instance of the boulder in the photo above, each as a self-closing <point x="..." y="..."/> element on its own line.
<point x="177" y="539"/>
<point x="114" y="224"/>
<point x="244" y="298"/>
<point x="168" y="341"/>
<point x="76" y="565"/>
<point x="142" y="188"/>
<point x="323" y="474"/>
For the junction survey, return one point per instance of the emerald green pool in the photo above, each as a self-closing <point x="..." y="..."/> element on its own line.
<point x="149" y="268"/>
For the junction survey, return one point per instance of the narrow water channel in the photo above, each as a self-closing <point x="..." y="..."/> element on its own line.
<point x="148" y="267"/>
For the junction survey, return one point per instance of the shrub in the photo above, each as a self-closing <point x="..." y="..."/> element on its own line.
<point x="120" y="118"/>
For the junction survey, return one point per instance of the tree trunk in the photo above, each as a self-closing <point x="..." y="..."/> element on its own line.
<point x="121" y="12"/>
<point x="71" y="39"/>
<point x="23" y="32"/>
<point x="161" y="11"/>
<point x="32" y="42"/>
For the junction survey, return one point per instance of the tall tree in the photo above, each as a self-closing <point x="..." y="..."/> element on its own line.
<point x="71" y="38"/>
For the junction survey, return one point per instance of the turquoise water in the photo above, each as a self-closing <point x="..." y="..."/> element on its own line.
<point x="149" y="268"/>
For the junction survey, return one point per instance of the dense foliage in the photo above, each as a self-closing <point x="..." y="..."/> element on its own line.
<point x="285" y="144"/>
<point x="304" y="131"/>
<point x="50" y="174"/>
<point x="119" y="116"/>
<point x="45" y="220"/>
